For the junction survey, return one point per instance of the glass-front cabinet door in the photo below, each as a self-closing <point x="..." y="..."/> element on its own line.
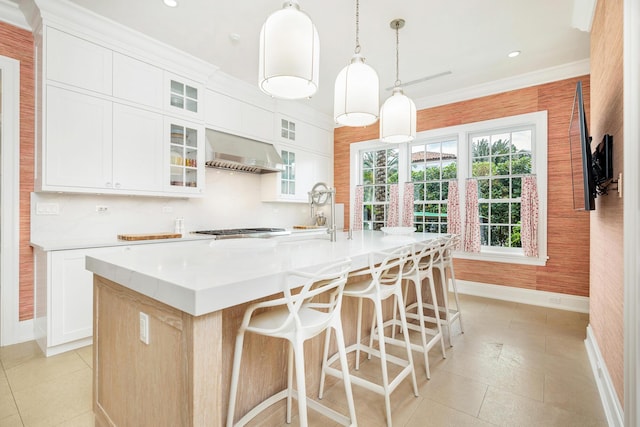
<point x="186" y="157"/>
<point x="183" y="97"/>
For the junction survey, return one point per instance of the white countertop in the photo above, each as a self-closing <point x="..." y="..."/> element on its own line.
<point x="206" y="276"/>
<point x="102" y="242"/>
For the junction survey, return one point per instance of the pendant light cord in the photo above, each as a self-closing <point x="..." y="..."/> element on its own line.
<point x="397" y="83"/>
<point x="357" y="49"/>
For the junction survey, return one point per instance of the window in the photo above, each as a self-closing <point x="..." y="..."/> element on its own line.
<point x="498" y="161"/>
<point x="288" y="176"/>
<point x="498" y="153"/>
<point x="288" y="130"/>
<point x="379" y="169"/>
<point x="433" y="164"/>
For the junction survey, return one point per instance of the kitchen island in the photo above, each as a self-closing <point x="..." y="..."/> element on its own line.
<point x="165" y="324"/>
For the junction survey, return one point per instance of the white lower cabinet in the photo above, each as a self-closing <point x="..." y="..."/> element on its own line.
<point x="64" y="298"/>
<point x="303" y="169"/>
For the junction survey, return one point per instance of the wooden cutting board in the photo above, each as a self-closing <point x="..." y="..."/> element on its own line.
<point x="308" y="227"/>
<point x="152" y="236"/>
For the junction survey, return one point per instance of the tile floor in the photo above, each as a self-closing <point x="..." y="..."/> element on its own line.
<point x="515" y="365"/>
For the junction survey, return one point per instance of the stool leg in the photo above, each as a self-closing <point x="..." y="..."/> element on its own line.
<point x="373" y="328"/>
<point x="445" y="297"/>
<point x="298" y="351"/>
<point x="383" y="359"/>
<point x="325" y="357"/>
<point x="405" y="332"/>
<point x="436" y="310"/>
<point x="455" y="294"/>
<point x="358" y="333"/>
<point x="344" y="365"/>
<point x="235" y="374"/>
<point x="290" y="382"/>
<point x="423" y="333"/>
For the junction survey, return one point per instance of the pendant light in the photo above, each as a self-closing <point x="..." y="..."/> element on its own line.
<point x="356" y="99"/>
<point x="398" y="113"/>
<point x="289" y="50"/>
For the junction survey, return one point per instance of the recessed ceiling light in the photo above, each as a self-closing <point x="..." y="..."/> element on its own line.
<point x="514" y="54"/>
<point x="171" y="3"/>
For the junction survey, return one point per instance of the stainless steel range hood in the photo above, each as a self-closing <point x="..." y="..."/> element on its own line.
<point x="227" y="151"/>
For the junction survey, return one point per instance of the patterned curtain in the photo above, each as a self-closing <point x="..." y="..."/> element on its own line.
<point x="407" y="205"/>
<point x="472" y="221"/>
<point x="454" y="226"/>
<point x="529" y="216"/>
<point x="357" y="208"/>
<point x="393" y="219"/>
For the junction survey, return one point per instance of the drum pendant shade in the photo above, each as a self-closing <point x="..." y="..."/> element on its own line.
<point x="289" y="54"/>
<point x="356" y="99"/>
<point x="398" y="118"/>
<point x="398" y="113"/>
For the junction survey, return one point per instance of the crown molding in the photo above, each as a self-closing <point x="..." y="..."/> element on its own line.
<point x="70" y="17"/>
<point x="11" y="14"/>
<point x="546" y="75"/>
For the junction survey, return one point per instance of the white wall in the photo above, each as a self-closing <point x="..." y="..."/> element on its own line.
<point x="232" y="200"/>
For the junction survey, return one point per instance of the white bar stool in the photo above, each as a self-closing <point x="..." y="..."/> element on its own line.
<point x="418" y="269"/>
<point x="297" y="318"/>
<point x="385" y="282"/>
<point x="444" y="262"/>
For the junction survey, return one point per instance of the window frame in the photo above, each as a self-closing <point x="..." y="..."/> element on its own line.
<point x="432" y="141"/>
<point x="539" y="167"/>
<point x="506" y="200"/>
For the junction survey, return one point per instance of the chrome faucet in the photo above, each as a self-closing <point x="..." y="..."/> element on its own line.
<point x="319" y="195"/>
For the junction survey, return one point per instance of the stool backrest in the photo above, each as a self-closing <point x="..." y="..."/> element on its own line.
<point x="320" y="290"/>
<point x="423" y="255"/>
<point x="449" y="243"/>
<point x="389" y="270"/>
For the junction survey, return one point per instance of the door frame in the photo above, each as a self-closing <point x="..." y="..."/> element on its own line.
<point x="11" y="330"/>
<point x="631" y="187"/>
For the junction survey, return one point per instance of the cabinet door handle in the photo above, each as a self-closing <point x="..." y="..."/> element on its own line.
<point x="117" y="185"/>
<point x="108" y="184"/>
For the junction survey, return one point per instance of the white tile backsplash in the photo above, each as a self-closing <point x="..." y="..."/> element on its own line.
<point x="232" y="200"/>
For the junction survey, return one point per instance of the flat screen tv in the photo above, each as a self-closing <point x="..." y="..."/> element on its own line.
<point x="603" y="164"/>
<point x="583" y="181"/>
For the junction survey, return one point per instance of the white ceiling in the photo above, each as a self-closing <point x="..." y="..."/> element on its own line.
<point x="470" y="38"/>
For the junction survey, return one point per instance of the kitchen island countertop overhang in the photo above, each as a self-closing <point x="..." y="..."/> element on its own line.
<point x="205" y="276"/>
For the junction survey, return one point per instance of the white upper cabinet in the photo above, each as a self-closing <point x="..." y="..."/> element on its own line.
<point x="138" y="149"/>
<point x="78" y="140"/>
<point x="303" y="169"/>
<point x="184" y="161"/>
<point x="77" y="62"/>
<point x="302" y="134"/>
<point x="94" y="145"/>
<point x="223" y="112"/>
<point x="137" y="81"/>
<point x="103" y="121"/>
<point x="228" y="114"/>
<point x="182" y="96"/>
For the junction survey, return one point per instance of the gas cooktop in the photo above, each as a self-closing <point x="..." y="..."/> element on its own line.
<point x="245" y="232"/>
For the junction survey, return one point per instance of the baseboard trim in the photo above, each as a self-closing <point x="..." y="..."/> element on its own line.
<point x="525" y="296"/>
<point x="610" y="403"/>
<point x="24" y="332"/>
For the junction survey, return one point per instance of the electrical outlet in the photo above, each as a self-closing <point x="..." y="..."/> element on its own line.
<point x="555" y="300"/>
<point x="144" y="328"/>
<point x="47" y="209"/>
<point x="167" y="209"/>
<point x="102" y="209"/>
